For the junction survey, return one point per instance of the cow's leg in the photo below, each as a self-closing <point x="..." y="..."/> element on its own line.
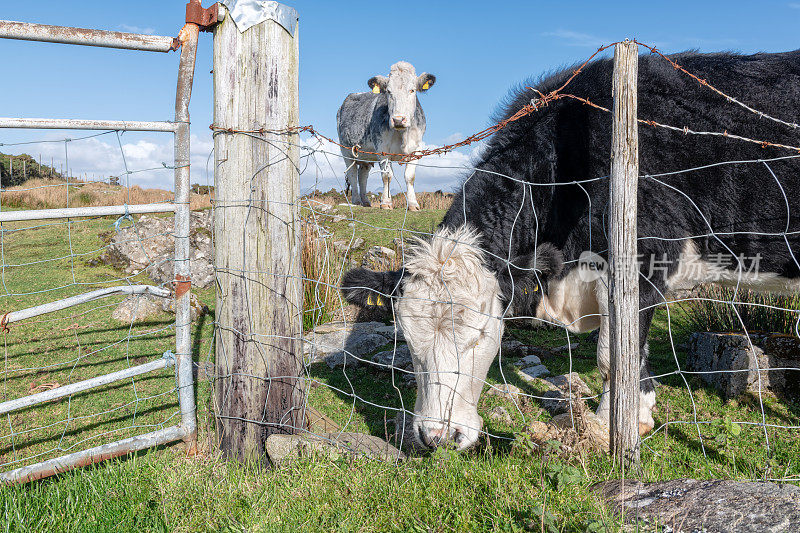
<point x="386" y="174"/>
<point x="363" y="174"/>
<point x="411" y="196"/>
<point x="647" y="392"/>
<point x="350" y="180"/>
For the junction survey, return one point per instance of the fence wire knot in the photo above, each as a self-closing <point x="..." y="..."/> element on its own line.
<point x="126" y="216"/>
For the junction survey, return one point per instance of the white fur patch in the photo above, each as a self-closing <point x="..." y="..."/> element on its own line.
<point x="693" y="270"/>
<point x="571" y="302"/>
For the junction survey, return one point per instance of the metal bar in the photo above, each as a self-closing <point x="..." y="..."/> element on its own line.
<point x="76" y="212"/>
<point x="81" y="386"/>
<point x="85" y="124"/>
<point x="183" y="322"/>
<point x="58" y="465"/>
<point x="58" y="305"/>
<point x="27" y="31"/>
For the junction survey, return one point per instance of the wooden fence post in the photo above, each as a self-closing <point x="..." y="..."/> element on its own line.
<point x="623" y="293"/>
<point x="258" y="334"/>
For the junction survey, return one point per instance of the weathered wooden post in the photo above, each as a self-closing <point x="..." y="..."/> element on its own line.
<point x="623" y="293"/>
<point x="257" y="233"/>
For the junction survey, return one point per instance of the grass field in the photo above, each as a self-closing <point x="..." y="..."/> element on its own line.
<point x="501" y="485"/>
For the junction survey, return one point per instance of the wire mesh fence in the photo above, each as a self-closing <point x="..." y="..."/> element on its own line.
<point x="728" y="405"/>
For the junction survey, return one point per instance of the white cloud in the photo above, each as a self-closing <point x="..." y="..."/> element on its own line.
<point x="137" y="29"/>
<point x="574" y="38"/>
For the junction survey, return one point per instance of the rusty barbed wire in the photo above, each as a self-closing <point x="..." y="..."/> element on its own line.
<point x="539" y="103"/>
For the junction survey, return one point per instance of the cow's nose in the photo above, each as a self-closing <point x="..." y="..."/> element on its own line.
<point x="434" y="437"/>
<point x="399" y="121"/>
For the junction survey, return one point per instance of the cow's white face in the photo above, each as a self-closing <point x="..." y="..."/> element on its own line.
<point x="401" y="89"/>
<point x="450" y="315"/>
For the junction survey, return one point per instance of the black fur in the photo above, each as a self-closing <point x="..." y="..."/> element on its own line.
<point x="362" y="287"/>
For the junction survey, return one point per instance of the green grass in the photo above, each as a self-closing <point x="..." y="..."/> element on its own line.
<point x="501" y="485"/>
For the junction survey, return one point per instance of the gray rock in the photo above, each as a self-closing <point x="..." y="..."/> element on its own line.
<point x="146" y="305"/>
<point x="149" y="245"/>
<point x="500" y="414"/>
<point x="567" y="348"/>
<point x="379" y="257"/>
<point x="504" y="390"/>
<point x="529" y="360"/>
<point x="340" y="342"/>
<point x="345" y="246"/>
<point x="708" y="506"/>
<point x="729" y="362"/>
<point x="532" y="372"/>
<point x="137" y="308"/>
<point x="285" y="448"/>
<point x="557" y="398"/>
<point x="337" y="218"/>
<point x="391" y="332"/>
<point x="783" y="346"/>
<point x="513" y="348"/>
<point x="397" y="358"/>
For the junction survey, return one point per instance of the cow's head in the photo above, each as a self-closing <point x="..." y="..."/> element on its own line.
<point x="401" y="92"/>
<point x="450" y="307"/>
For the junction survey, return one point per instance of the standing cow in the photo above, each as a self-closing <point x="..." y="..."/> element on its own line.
<point x="723" y="211"/>
<point x="389" y="119"/>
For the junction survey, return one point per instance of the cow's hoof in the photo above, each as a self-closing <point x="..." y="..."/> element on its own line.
<point x="387" y="206"/>
<point x="366" y="204"/>
<point x="645" y="428"/>
<point x="413" y="207"/>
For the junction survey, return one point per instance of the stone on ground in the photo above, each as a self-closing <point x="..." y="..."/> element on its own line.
<point x="285" y="448"/>
<point x="708" y="506"/>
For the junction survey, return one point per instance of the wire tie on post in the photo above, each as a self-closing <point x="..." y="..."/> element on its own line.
<point x="169" y="356"/>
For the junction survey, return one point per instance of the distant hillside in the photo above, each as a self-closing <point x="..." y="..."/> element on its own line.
<point x="17" y="169"/>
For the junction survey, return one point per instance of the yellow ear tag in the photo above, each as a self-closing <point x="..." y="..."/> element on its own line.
<point x="378" y="301"/>
<point x="535" y="288"/>
<point x="426" y="86"/>
<point x="370" y="301"/>
<point x="376" y="89"/>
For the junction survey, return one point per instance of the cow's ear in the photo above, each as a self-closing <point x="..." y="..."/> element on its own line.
<point x="425" y="81"/>
<point x="367" y="288"/>
<point x="522" y="278"/>
<point x="378" y="84"/>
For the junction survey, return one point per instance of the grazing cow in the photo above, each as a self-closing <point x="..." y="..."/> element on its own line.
<point x="722" y="210"/>
<point x="389" y="119"/>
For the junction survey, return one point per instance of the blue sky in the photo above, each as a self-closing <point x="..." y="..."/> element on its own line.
<point x="478" y="50"/>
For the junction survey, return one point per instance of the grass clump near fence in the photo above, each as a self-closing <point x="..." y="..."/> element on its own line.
<point x="718" y="309"/>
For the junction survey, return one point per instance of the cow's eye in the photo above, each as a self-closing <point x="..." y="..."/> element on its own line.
<point x="411" y="91"/>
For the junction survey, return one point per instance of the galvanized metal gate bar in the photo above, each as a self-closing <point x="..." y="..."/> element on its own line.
<point x="81" y="386"/>
<point x="85" y="124"/>
<point x="72" y="301"/>
<point x="27" y="31"/>
<point x="187" y="429"/>
<point x="78" y="212"/>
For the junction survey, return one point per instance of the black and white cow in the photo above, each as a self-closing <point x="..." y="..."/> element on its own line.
<point x="511" y="243"/>
<point x="389" y="119"/>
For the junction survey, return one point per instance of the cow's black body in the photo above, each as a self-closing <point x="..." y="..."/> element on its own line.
<point x="569" y="141"/>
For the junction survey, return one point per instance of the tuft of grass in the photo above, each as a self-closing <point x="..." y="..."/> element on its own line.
<point x="719" y="309"/>
<point x="321" y="273"/>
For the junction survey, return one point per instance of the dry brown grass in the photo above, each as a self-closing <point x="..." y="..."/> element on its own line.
<point x="50" y="194"/>
<point x="426" y="200"/>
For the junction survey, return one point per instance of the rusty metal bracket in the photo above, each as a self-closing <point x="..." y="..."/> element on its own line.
<point x="182" y="284"/>
<point x="203" y="17"/>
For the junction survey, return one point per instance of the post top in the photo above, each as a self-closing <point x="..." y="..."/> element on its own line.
<point x="248" y="13"/>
